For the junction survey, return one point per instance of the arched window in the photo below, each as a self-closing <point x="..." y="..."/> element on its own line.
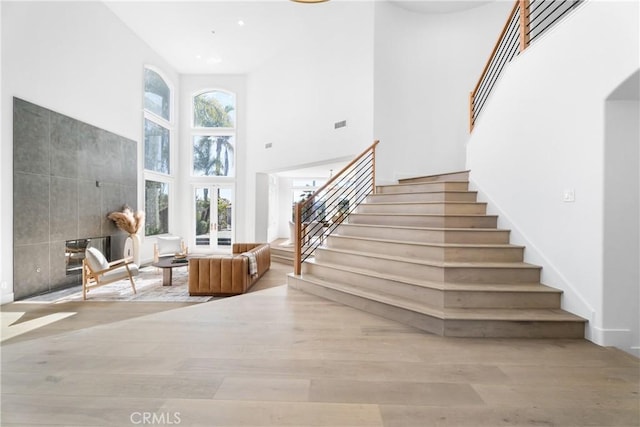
<point x="157" y="95"/>
<point x="158" y="136"/>
<point x="214" y="109"/>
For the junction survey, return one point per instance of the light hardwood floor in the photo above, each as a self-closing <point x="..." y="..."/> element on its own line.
<point x="279" y="357"/>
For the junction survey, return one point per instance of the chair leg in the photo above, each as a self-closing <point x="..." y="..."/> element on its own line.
<point x="133" y="284"/>
<point x="84" y="282"/>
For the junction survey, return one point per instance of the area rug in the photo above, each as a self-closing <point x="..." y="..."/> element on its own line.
<point x="148" y="286"/>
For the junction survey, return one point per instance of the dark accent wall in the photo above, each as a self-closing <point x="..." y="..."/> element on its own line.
<point x="67" y="177"/>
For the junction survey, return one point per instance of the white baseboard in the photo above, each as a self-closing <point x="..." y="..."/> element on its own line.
<point x="618" y="338"/>
<point x="6" y="298"/>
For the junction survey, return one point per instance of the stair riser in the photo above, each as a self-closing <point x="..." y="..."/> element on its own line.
<point x="427" y="272"/>
<point x="460" y="208"/>
<point x="491" y="275"/>
<point x="381" y="265"/>
<point x="469" y="196"/>
<point x="282" y="252"/>
<point x="513" y="329"/>
<point x="427" y="236"/>
<point x="423" y="188"/>
<point x="456" y="176"/>
<point x="436" y="297"/>
<point x="426" y="221"/>
<point x="422" y="252"/>
<point x="481" y="299"/>
<point x="417" y="320"/>
<point x="454" y="328"/>
<point x="281" y="259"/>
<point x="427" y="296"/>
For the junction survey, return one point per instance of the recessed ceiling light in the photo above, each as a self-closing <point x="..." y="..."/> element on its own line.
<point x="240" y="22"/>
<point x="198" y="56"/>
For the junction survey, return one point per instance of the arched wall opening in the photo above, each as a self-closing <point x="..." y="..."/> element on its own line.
<point x="621" y="236"/>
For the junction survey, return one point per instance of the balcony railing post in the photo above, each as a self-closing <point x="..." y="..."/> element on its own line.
<point x="524" y="24"/>
<point x="373" y="168"/>
<point x="297" y="260"/>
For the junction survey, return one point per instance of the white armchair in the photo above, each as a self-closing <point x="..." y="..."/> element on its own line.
<point x="97" y="271"/>
<point x="313" y="230"/>
<point x="168" y="246"/>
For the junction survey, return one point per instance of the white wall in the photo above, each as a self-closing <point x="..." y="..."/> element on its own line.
<point x="190" y="84"/>
<point x="621" y="278"/>
<point x="6" y="267"/>
<point x="6" y="214"/>
<point x="285" y="203"/>
<point x="542" y="132"/>
<point x="75" y="58"/>
<point x="425" y="67"/>
<point x="295" y="99"/>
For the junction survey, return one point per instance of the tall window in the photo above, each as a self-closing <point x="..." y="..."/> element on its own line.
<point x="213" y="148"/>
<point x="158" y="134"/>
<point x="213" y="138"/>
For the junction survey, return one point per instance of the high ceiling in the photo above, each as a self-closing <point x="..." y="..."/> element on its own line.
<point x="235" y="37"/>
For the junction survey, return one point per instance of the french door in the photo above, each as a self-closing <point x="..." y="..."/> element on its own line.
<point x="213" y="220"/>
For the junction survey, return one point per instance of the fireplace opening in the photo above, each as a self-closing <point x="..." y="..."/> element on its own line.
<point x="74" y="252"/>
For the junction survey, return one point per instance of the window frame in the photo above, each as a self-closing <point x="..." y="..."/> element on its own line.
<point x="229" y="182"/>
<point x="213" y="131"/>
<point x="151" y="175"/>
<point x="207" y="129"/>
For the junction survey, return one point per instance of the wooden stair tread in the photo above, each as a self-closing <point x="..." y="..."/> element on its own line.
<point x="447" y="264"/>
<point x="445" y="286"/>
<point x="520" y="314"/>
<point x="465" y="181"/>
<point x="438" y="202"/>
<point x="443" y="215"/>
<point x="440" y="245"/>
<point x="419" y="228"/>
<point x="422" y="192"/>
<point x="437" y="175"/>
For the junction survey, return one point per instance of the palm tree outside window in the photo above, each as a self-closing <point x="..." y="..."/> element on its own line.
<point x="214" y="134"/>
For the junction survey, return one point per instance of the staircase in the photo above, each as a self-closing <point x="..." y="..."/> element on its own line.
<point x="282" y="251"/>
<point x="425" y="253"/>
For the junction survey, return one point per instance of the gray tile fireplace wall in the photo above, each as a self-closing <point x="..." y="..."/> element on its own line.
<point x="67" y="177"/>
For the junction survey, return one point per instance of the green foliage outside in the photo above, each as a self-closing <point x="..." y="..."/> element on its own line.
<point x="212" y="155"/>
<point x="203" y="212"/>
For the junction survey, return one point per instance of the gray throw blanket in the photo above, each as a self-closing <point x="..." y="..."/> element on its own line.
<point x="253" y="263"/>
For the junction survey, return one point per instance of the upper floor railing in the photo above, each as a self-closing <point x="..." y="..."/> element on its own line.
<point x="323" y="211"/>
<point x="526" y="22"/>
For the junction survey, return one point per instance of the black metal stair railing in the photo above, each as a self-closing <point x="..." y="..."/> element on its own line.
<point x="323" y="211"/>
<point x="527" y="21"/>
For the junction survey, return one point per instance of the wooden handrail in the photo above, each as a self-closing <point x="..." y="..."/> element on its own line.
<point x="302" y="205"/>
<point x="495" y="48"/>
<point x="524" y="24"/>
<point x="336" y="176"/>
<point x="524" y="28"/>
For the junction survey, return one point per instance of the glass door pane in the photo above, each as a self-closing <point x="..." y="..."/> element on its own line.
<point x="203" y="217"/>
<point x="213" y="217"/>
<point x="224" y="216"/>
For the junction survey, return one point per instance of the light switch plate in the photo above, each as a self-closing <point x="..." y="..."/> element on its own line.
<point x="569" y="195"/>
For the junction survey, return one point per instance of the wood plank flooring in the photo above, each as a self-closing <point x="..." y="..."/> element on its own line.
<point x="280" y="357"/>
